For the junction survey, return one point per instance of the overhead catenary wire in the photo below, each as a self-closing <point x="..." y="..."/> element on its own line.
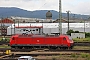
<point x="43" y="4"/>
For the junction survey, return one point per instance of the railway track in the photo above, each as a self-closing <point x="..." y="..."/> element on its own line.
<point x="6" y="43"/>
<point x="47" y="50"/>
<point x="82" y="44"/>
<point x="17" y="59"/>
<point x="37" y="54"/>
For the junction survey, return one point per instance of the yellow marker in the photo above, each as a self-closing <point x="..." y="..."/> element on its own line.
<point x="8" y="52"/>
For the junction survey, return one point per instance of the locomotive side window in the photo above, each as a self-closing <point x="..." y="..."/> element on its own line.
<point x="64" y="38"/>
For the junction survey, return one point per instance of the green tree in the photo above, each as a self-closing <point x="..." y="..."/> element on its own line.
<point x="76" y="31"/>
<point x="69" y="32"/>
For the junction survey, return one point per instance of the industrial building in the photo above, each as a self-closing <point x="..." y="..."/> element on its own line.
<point x="46" y="28"/>
<point x="4" y="23"/>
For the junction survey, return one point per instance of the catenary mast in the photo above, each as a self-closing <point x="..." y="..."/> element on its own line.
<point x="60" y="18"/>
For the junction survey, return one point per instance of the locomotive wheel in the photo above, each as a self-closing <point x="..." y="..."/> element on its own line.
<point x="20" y="47"/>
<point x="12" y="47"/>
<point x="31" y="47"/>
<point x="16" y="47"/>
<point x="63" y="48"/>
<point x="26" y="47"/>
<point x="48" y="47"/>
<point x="53" y="47"/>
<point x="71" y="48"/>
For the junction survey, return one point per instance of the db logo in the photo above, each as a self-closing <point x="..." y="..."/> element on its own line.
<point x="37" y="40"/>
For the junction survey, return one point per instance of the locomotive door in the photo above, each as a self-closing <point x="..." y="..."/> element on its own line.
<point x="64" y="41"/>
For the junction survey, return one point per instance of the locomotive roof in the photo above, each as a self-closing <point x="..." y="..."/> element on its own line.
<point x="17" y="35"/>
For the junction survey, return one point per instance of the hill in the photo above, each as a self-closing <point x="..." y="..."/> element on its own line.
<point x="13" y="11"/>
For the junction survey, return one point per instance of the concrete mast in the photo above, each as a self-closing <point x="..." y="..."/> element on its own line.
<point x="60" y="18"/>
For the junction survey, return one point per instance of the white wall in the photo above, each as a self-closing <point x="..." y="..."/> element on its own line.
<point x="79" y="35"/>
<point x="54" y="27"/>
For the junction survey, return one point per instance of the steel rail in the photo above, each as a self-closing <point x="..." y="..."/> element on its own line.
<point x="51" y="50"/>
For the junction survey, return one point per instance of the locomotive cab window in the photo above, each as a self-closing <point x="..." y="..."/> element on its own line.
<point x="64" y="38"/>
<point x="70" y="37"/>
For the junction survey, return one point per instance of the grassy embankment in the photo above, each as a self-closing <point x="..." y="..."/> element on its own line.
<point x="82" y="39"/>
<point x="4" y="46"/>
<point x="7" y="40"/>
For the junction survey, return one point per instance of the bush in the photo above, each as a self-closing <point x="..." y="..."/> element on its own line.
<point x="84" y="55"/>
<point x="5" y="40"/>
<point x="87" y="35"/>
<point x="73" y="55"/>
<point x="53" y="58"/>
<point x="71" y="31"/>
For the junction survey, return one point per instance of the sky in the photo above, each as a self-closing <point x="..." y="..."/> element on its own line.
<point x="74" y="6"/>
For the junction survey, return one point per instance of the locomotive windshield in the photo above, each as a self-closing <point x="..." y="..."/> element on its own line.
<point x="70" y="37"/>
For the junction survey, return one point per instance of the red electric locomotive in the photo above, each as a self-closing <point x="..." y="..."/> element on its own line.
<point x="41" y="41"/>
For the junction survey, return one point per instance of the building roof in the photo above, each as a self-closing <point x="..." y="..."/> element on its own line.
<point x="51" y="25"/>
<point x="6" y="20"/>
<point x="30" y="20"/>
<point x="28" y="26"/>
